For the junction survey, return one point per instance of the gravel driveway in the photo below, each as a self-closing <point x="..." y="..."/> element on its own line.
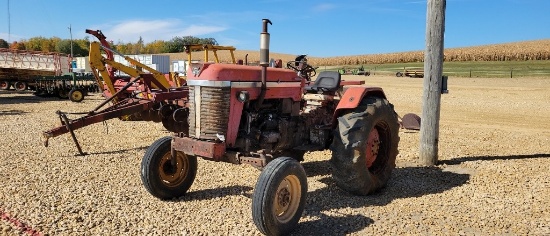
<point x="492" y="177"/>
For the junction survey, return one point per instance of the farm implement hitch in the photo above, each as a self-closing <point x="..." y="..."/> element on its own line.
<point x="132" y="108"/>
<point x="65" y="120"/>
<point x="128" y="108"/>
<point x="125" y="107"/>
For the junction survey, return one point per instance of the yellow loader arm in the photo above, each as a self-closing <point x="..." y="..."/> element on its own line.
<point x="98" y="62"/>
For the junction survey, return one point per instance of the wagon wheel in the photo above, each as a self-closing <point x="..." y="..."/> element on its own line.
<point x="41" y="90"/>
<point x="20" y="86"/>
<point x="76" y="95"/>
<point x="4" y="85"/>
<point x="279" y="197"/>
<point x="63" y="93"/>
<point x="365" y="147"/>
<point x="399" y="74"/>
<point x="160" y="177"/>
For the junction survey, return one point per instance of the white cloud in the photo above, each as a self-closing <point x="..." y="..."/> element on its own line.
<point x="229" y="41"/>
<point x="140" y="26"/>
<point x="10" y="37"/>
<point x="324" y="7"/>
<point x="130" y="31"/>
<point x="194" y="30"/>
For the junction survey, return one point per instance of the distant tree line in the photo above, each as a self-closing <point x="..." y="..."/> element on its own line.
<point x="81" y="47"/>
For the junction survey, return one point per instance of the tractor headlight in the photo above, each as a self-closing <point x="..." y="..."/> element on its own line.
<point x="243" y="96"/>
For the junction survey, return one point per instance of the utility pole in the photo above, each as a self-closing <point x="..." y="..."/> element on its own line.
<point x="9" y="23"/>
<point x="72" y="60"/>
<point x="433" y="71"/>
<point x="71" y="33"/>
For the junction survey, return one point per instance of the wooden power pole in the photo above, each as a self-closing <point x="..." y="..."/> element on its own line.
<point x="433" y="71"/>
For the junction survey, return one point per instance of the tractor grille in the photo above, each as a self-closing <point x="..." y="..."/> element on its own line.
<point x="208" y="111"/>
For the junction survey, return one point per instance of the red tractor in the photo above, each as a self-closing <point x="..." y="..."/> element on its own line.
<point x="269" y="117"/>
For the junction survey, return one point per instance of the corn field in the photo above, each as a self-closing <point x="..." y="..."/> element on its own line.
<point x="519" y="51"/>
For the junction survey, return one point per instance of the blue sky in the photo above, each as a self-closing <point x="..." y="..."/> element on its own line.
<point x="317" y="28"/>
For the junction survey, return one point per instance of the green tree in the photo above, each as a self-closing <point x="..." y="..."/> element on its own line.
<point x="84" y="43"/>
<point x="36" y="43"/>
<point x="120" y="47"/>
<point x="138" y="47"/>
<point x="172" y="46"/>
<point x="18" y="45"/>
<point x="154" y="47"/>
<point x="64" y="46"/>
<point x="48" y="46"/>
<point x="177" y="43"/>
<point x="4" y="44"/>
<point x="209" y="41"/>
<point x="81" y="47"/>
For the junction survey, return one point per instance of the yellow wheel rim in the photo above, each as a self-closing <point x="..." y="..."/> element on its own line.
<point x="287" y="198"/>
<point x="76" y="95"/>
<point x="173" y="175"/>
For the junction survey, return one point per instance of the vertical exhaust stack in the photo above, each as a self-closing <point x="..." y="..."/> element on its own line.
<point x="264" y="59"/>
<point x="264" y="44"/>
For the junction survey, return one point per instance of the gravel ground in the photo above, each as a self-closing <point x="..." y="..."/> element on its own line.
<point x="492" y="176"/>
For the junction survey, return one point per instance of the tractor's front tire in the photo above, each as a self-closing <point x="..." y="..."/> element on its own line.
<point x="279" y="196"/>
<point x="162" y="179"/>
<point x="365" y="147"/>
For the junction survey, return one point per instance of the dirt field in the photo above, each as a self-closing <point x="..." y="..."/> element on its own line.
<point x="492" y="179"/>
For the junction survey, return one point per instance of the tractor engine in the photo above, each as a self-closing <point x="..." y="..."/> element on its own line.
<point x="276" y="130"/>
<point x="228" y="115"/>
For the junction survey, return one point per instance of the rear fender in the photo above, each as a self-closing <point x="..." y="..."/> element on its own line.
<point x="352" y="98"/>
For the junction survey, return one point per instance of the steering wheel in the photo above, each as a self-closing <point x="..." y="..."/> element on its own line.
<point x="290" y="66"/>
<point x="307" y="72"/>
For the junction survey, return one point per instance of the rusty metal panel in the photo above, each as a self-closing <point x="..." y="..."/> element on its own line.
<point x="353" y="96"/>
<point x="200" y="148"/>
<point x="410" y="121"/>
<point x="351" y="82"/>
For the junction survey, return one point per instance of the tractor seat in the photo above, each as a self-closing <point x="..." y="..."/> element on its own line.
<point x="327" y="81"/>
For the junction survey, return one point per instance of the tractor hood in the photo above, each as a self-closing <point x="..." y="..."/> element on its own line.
<point x="239" y="73"/>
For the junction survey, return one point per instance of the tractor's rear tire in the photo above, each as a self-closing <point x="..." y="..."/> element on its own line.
<point x="365" y="147"/>
<point x="160" y="177"/>
<point x="20" y="86"/>
<point x="279" y="196"/>
<point x="4" y="85"/>
<point x="76" y="95"/>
